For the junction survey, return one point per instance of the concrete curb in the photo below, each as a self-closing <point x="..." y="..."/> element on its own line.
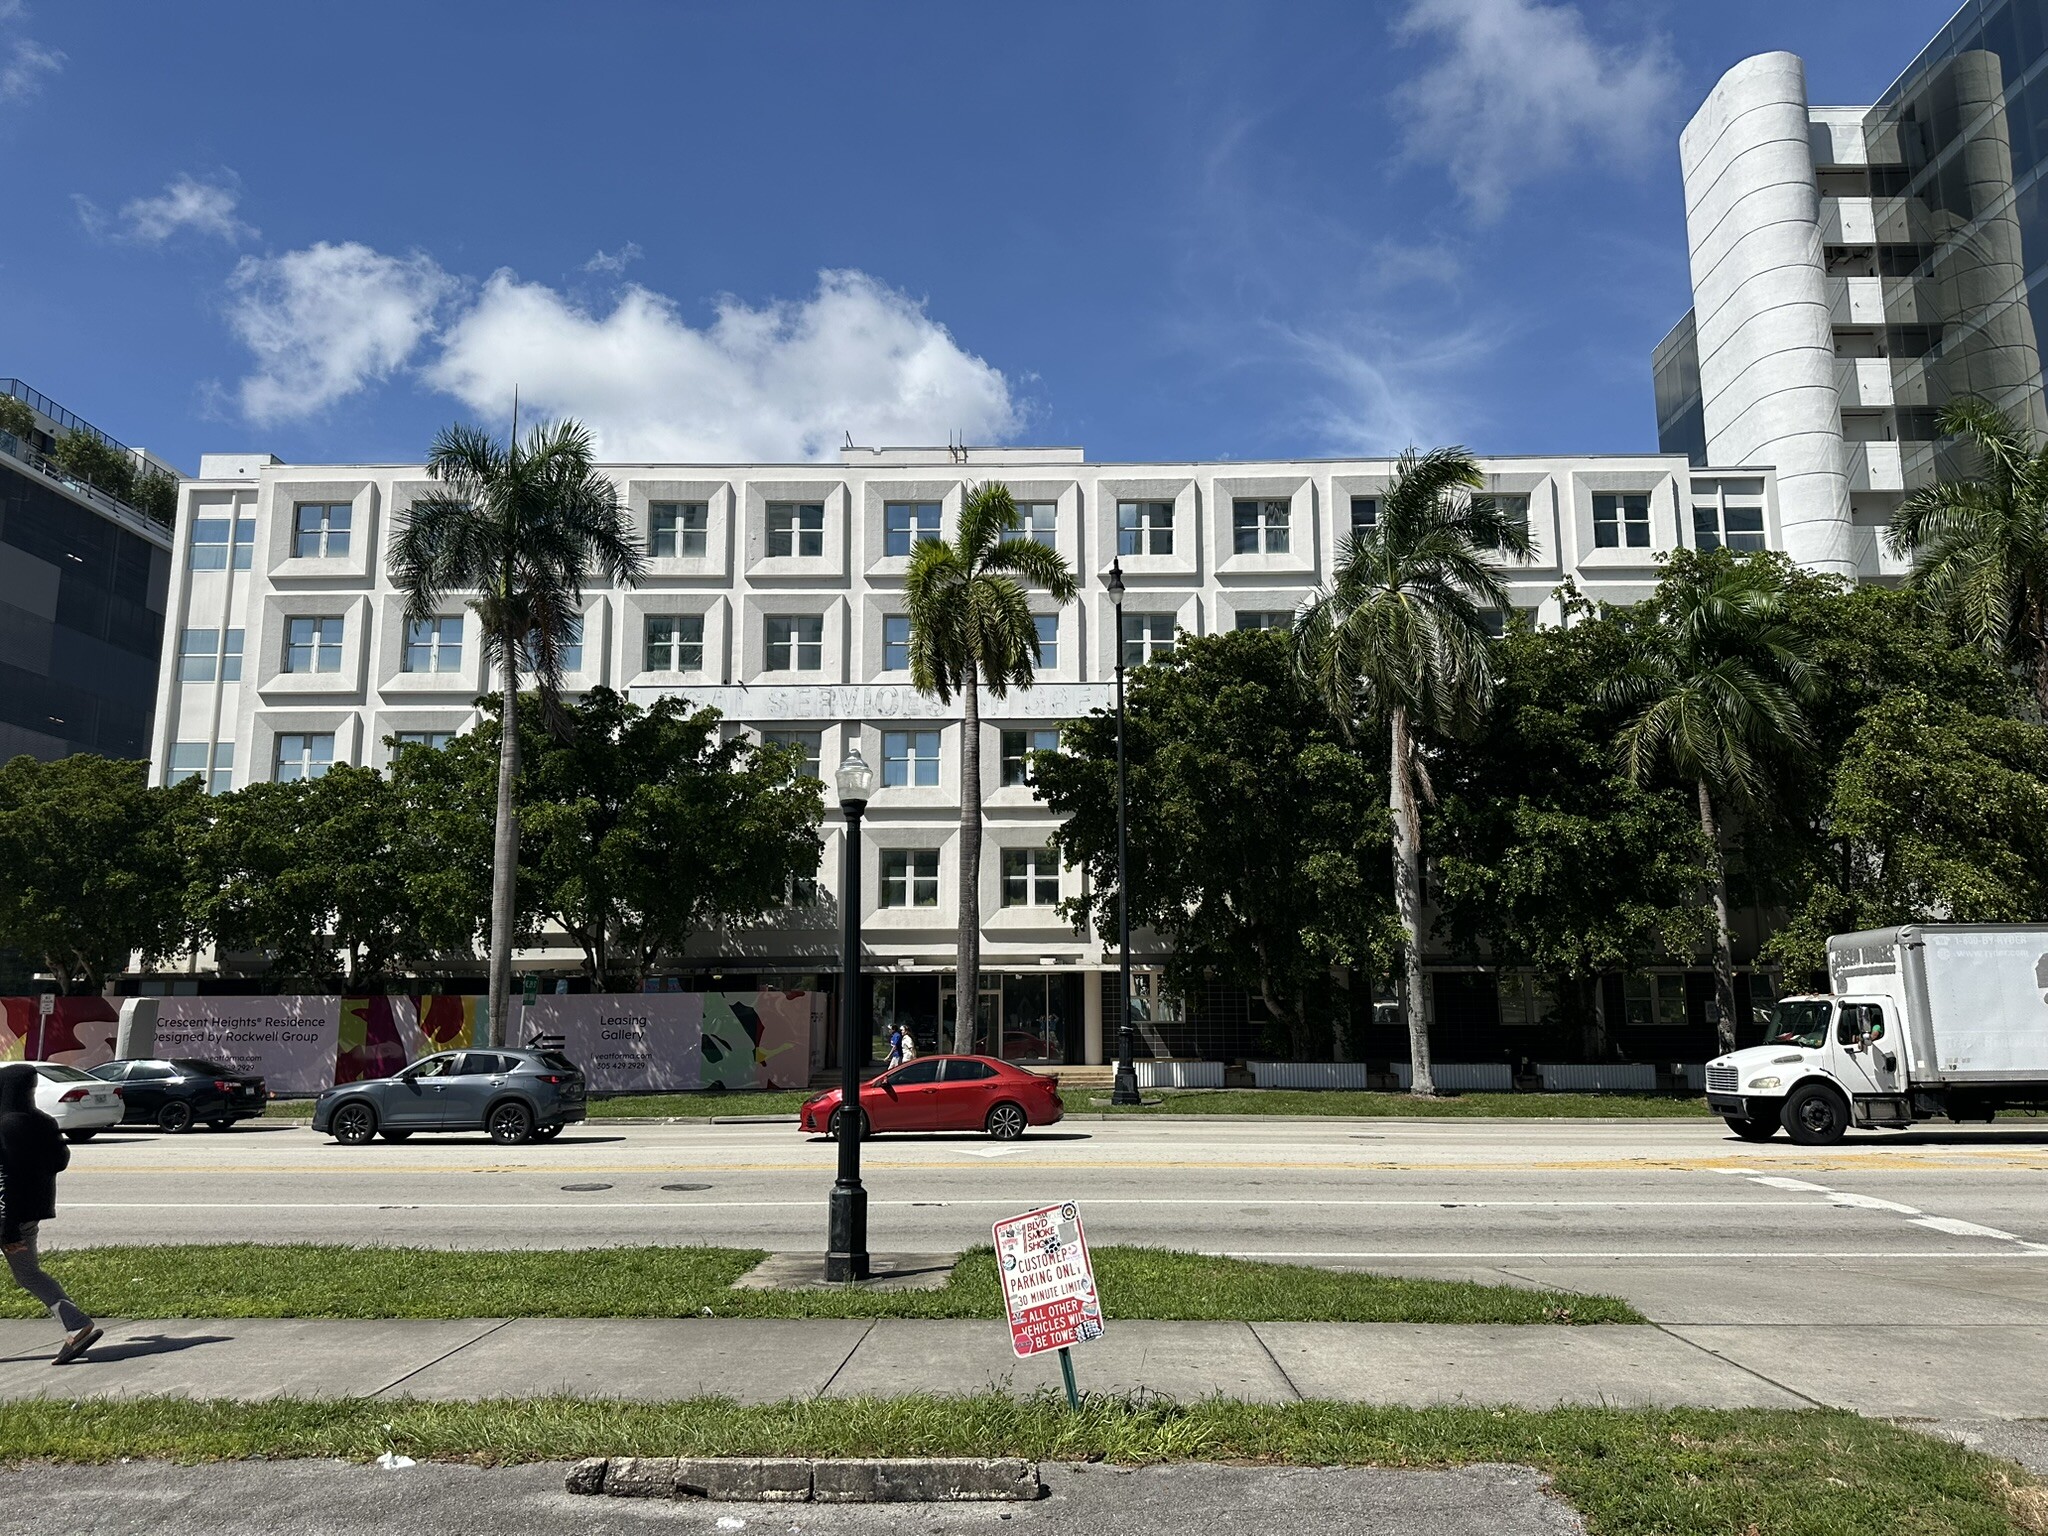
<point x="786" y="1480"/>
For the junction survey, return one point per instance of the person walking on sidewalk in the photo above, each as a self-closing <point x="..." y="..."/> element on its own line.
<point x="896" y="1037"/>
<point x="32" y="1154"/>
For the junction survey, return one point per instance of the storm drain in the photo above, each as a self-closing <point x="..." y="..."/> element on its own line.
<point x="584" y="1189"/>
<point x="684" y="1189"/>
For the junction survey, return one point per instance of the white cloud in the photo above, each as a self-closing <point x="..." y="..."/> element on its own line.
<point x="778" y="382"/>
<point x="1526" y="90"/>
<point x="327" y="320"/>
<point x="203" y="207"/>
<point x="24" y="62"/>
<point x="614" y="261"/>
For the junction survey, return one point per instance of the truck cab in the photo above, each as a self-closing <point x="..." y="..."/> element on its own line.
<point x="1828" y="1063"/>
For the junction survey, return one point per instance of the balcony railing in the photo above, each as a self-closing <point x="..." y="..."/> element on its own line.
<point x="133" y="518"/>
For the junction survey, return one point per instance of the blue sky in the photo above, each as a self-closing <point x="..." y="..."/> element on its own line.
<point x="1161" y="230"/>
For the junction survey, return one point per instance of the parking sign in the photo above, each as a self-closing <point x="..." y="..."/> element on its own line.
<point x="1048" y="1283"/>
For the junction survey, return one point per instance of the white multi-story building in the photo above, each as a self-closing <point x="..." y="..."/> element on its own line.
<point x="1855" y="269"/>
<point x="774" y="592"/>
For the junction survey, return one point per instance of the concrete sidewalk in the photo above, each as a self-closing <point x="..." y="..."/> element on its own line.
<point x="1982" y="1372"/>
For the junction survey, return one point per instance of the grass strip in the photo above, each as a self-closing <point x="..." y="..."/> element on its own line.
<point x="1627" y="1472"/>
<point x="309" y="1280"/>
<point x="1345" y="1101"/>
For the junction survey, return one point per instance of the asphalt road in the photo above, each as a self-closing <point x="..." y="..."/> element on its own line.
<point x="241" y="1499"/>
<point x="1942" y="1226"/>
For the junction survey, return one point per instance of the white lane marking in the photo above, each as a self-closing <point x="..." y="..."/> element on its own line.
<point x="1956" y="1228"/>
<point x="1953" y="1226"/>
<point x="991" y="1151"/>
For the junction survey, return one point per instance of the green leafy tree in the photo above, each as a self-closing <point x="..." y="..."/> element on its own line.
<point x="444" y="797"/>
<point x="1257" y="840"/>
<point x="91" y="865"/>
<point x="1398" y="642"/>
<point x="1546" y="856"/>
<point x="156" y="494"/>
<point x="645" y="828"/>
<point x="1981" y="542"/>
<point x="18" y="419"/>
<point x="308" y="875"/>
<point x="971" y="628"/>
<point x="1714" y="697"/>
<point x="524" y="525"/>
<point x="1939" y="815"/>
<point x="97" y="463"/>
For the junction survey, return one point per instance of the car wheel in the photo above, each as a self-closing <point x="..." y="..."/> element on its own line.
<point x="1752" y="1130"/>
<point x="548" y="1132"/>
<point x="396" y="1135"/>
<point x="838" y="1120"/>
<point x="1006" y="1122"/>
<point x="1816" y="1116"/>
<point x="354" y="1124"/>
<point x="510" y="1123"/>
<point x="80" y="1135"/>
<point x="174" y="1118"/>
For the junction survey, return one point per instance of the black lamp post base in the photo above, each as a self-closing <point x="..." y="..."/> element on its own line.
<point x="1125" y="1089"/>
<point x="847" y="1256"/>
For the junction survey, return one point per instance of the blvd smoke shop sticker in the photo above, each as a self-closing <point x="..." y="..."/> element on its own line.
<point x="1048" y="1283"/>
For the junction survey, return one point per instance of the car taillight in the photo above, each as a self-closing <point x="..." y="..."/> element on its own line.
<point x="73" y="1096"/>
<point x="553" y="1077"/>
<point x="119" y="1094"/>
<point x="224" y="1085"/>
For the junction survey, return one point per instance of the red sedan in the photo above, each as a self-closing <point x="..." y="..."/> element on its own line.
<point x="946" y="1093"/>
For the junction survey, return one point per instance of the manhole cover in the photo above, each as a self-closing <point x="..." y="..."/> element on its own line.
<point x="684" y="1189"/>
<point x="584" y="1189"/>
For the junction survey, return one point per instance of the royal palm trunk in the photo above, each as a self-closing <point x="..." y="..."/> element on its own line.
<point x="1408" y="899"/>
<point x="1724" y="950"/>
<point x="967" y="981"/>
<point x="505" y="857"/>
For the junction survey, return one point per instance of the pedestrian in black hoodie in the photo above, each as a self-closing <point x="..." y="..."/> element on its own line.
<point x="32" y="1154"/>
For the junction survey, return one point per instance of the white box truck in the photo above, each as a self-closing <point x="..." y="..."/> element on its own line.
<point x="1925" y="1022"/>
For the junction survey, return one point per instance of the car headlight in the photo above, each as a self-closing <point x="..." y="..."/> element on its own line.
<point x="1765" y="1082"/>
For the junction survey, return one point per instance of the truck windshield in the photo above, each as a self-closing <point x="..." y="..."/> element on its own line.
<point x="1801" y="1021"/>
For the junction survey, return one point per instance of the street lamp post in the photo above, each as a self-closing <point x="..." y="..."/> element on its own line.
<point x="846" y="1256"/>
<point x="1125" y="1090"/>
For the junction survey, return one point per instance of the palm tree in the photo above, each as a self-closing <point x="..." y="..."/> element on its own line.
<point x="524" y="526"/>
<point x="1399" y="639"/>
<point x="1717" y="688"/>
<point x="971" y="628"/>
<point x="1983" y="542"/>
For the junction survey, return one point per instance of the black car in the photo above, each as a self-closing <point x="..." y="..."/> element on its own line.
<point x="177" y="1094"/>
<point x="514" y="1095"/>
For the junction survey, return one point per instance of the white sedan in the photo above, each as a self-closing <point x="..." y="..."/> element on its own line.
<point x="80" y="1103"/>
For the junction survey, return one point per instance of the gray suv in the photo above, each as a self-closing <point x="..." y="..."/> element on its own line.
<point x="515" y="1095"/>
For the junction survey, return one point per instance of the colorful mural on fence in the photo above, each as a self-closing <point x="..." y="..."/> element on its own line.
<point x="625" y="1042"/>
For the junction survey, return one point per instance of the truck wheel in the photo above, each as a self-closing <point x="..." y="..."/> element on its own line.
<point x="1752" y="1130"/>
<point x="1816" y="1116"/>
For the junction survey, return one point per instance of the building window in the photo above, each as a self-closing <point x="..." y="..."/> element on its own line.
<point x="895" y="643"/>
<point x="433" y="645"/>
<point x="1036" y="520"/>
<point x="1259" y="527"/>
<point x="1018" y="745"/>
<point x="304" y="755"/>
<point x="1740" y="528"/>
<point x="1526" y="1001"/>
<point x="795" y="528"/>
<point x="1047" y="627"/>
<point x="1621" y="519"/>
<point x="1365" y="515"/>
<point x="679" y="530"/>
<point x="1494" y="621"/>
<point x="312" y="645"/>
<point x="204" y="652"/>
<point x="910" y="759"/>
<point x="803" y="891"/>
<point x="568" y="650"/>
<point x="910" y="877"/>
<point x="320" y="529"/>
<point x="905" y="523"/>
<point x="1031" y="877"/>
<point x="675" y="642"/>
<point x="810" y="743"/>
<point x="189" y="761"/>
<point x="1144" y="528"/>
<point x="1269" y="618"/>
<point x="1147" y="636"/>
<point x="1653" y="1000"/>
<point x="434" y="741"/>
<point x="796" y="642"/>
<point x="1513" y="508"/>
<point x="210" y="547"/>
